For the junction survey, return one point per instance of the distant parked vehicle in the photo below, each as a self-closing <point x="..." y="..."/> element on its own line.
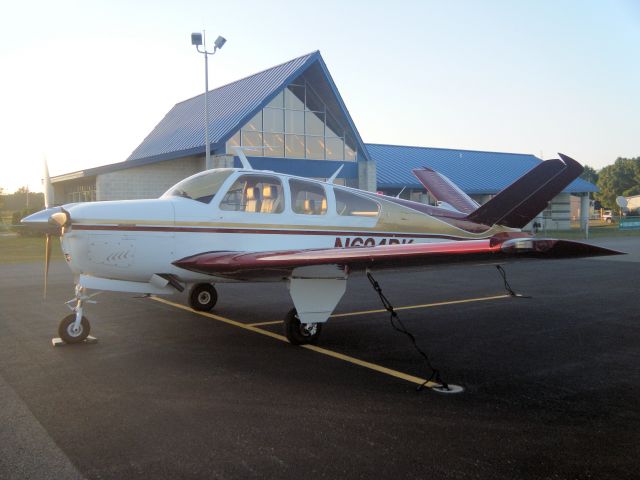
<point x="607" y="216"/>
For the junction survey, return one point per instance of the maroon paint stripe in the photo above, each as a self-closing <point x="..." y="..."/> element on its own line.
<point x="134" y="228"/>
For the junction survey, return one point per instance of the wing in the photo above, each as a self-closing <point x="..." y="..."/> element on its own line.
<point x="280" y="264"/>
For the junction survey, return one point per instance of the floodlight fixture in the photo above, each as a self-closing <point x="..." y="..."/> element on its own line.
<point x="196" y="39"/>
<point x="219" y="43"/>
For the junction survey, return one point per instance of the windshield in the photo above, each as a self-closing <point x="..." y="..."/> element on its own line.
<point x="201" y="187"/>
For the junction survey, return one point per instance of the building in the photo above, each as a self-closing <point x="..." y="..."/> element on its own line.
<point x="291" y="118"/>
<point x="633" y="205"/>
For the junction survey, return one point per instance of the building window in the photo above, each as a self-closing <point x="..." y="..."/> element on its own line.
<point x="296" y="124"/>
<point x="80" y="193"/>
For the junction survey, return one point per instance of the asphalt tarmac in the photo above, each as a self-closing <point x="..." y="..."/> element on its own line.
<point x="552" y="383"/>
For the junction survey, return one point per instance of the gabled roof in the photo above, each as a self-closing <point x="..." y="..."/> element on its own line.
<point x="475" y="172"/>
<point x="181" y="131"/>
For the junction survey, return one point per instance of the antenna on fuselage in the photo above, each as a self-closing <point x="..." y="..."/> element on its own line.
<point x="332" y="178"/>
<point x="243" y="158"/>
<point x="400" y="192"/>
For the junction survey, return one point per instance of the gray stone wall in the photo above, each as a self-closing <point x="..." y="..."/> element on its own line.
<point x="148" y="181"/>
<point x="367" y="176"/>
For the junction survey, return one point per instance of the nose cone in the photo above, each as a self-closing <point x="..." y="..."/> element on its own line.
<point x="45" y="221"/>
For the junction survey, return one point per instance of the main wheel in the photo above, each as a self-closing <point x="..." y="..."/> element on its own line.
<point x="299" y="333"/>
<point x="68" y="334"/>
<point x="203" y="297"/>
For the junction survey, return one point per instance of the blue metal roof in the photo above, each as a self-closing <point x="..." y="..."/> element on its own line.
<point x="181" y="131"/>
<point x="474" y="172"/>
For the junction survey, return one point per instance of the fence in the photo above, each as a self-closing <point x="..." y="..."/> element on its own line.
<point x="629" y="223"/>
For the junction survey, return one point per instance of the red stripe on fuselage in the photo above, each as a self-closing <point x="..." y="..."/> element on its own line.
<point x="257" y="231"/>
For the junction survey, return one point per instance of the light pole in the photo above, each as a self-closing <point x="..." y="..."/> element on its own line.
<point x="199" y="39"/>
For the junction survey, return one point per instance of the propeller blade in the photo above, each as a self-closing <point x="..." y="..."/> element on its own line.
<point x="48" y="187"/>
<point x="47" y="259"/>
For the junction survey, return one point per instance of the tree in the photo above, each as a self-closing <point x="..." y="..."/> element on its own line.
<point x="589" y="174"/>
<point x="621" y="178"/>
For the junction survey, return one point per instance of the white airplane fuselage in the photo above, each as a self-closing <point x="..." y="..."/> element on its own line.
<point x="135" y="239"/>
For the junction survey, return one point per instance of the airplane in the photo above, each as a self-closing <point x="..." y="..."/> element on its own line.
<point x="246" y="225"/>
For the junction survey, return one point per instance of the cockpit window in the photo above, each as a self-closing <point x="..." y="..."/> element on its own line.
<point x="254" y="194"/>
<point x="351" y="204"/>
<point x="201" y="187"/>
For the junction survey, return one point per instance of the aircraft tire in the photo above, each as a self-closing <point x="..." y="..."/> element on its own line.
<point x="298" y="333"/>
<point x="66" y="332"/>
<point x="203" y="297"/>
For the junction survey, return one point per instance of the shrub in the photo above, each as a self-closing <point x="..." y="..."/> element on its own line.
<point x="20" y="229"/>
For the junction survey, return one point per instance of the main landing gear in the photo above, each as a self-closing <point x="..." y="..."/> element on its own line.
<point x="203" y="297"/>
<point x="299" y="333"/>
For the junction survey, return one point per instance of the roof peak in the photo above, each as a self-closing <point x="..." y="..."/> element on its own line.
<point x="449" y="149"/>
<point x="309" y="55"/>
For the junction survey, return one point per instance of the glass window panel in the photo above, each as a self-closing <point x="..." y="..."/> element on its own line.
<point x="334" y="129"/>
<point x="294" y="97"/>
<point x="273" y="145"/>
<point x="254" y="194"/>
<point x="314" y="123"/>
<point x="294" y="121"/>
<point x="252" y="139"/>
<point x="348" y="203"/>
<point x="350" y="154"/>
<point x="255" y="124"/>
<point x="350" y="149"/>
<point x="313" y="101"/>
<point x="308" y="198"/>
<point x="273" y="119"/>
<point x="315" y="148"/>
<point x="202" y="187"/>
<point x="233" y="142"/>
<point x="277" y="102"/>
<point x="294" y="146"/>
<point x="335" y="149"/>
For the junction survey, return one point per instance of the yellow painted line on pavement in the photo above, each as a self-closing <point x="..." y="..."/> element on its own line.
<point x="314" y="348"/>
<point x="408" y="307"/>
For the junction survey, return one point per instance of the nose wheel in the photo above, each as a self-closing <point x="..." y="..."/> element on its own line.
<point x="69" y="332"/>
<point x="299" y="333"/>
<point x="203" y="297"/>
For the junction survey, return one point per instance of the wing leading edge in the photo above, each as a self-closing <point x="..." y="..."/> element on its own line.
<point x="498" y="249"/>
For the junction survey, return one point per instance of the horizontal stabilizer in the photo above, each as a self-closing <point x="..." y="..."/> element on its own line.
<point x="444" y="190"/>
<point x="523" y="200"/>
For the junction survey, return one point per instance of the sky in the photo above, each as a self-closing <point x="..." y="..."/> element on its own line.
<point x="82" y="83"/>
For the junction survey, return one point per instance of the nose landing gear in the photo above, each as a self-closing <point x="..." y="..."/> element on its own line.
<point x="75" y="327"/>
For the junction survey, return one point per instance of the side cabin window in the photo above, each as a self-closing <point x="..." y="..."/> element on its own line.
<point x="308" y="198"/>
<point x="254" y="194"/>
<point x="350" y="204"/>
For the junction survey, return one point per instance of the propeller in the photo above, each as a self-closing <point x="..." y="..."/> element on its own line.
<point x="48" y="197"/>
<point x="47" y="259"/>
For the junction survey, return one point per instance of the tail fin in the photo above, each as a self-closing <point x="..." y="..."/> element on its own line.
<point x="445" y="190"/>
<point x="520" y="202"/>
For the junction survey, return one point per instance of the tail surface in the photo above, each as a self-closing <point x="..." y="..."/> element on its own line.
<point x="523" y="200"/>
<point x="444" y="190"/>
